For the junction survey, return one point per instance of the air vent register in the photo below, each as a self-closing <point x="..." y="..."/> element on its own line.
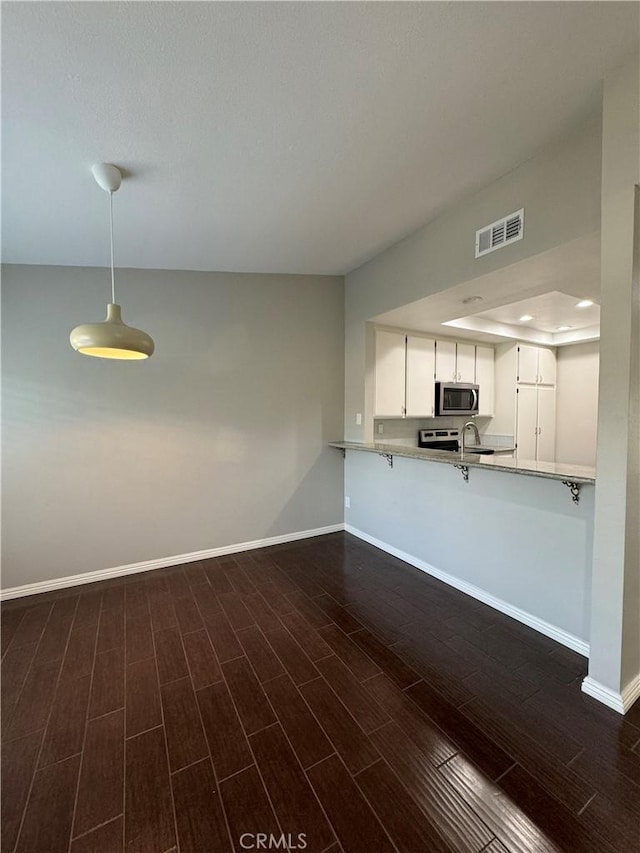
<point x="500" y="233"/>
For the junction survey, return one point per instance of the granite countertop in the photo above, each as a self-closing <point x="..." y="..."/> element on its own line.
<point x="513" y="465"/>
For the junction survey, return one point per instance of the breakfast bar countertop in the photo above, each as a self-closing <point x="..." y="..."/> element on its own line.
<point x="513" y="465"/>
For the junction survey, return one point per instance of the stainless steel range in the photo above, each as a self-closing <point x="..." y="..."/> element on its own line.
<point x="451" y="440"/>
<point x="439" y="439"/>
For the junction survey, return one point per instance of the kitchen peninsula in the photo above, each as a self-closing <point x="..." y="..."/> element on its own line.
<point x="521" y="544"/>
<point x="572" y="475"/>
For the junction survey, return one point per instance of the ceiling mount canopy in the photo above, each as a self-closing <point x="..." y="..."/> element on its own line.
<point x="111" y="338"/>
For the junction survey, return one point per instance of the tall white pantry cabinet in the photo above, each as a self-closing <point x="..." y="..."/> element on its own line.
<point x="526" y="399"/>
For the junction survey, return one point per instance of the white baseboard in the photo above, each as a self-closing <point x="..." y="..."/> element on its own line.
<point x="161" y="563"/>
<point x="620" y="702"/>
<point x="564" y="637"/>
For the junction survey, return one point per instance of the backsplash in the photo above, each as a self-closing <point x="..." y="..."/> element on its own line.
<point x="404" y="431"/>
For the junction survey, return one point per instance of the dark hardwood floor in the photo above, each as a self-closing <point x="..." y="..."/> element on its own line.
<point x="320" y="689"/>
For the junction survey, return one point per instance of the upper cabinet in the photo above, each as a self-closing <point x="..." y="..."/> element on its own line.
<point x="390" y="374"/>
<point x="536" y="365"/>
<point x="466" y="363"/>
<point x="455" y="362"/>
<point x="547" y="366"/>
<point x="420" y="391"/>
<point x="469" y="364"/>
<point x="485" y="378"/>
<point x="446" y="369"/>
<point x="407" y="366"/>
<point x="527" y="364"/>
<point x="404" y="375"/>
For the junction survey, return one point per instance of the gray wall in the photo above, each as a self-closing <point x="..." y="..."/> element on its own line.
<point x="577" y="403"/>
<point x="588" y="177"/>
<point x="218" y="439"/>
<point x="560" y="191"/>
<point x="518" y="538"/>
<point x="421" y="512"/>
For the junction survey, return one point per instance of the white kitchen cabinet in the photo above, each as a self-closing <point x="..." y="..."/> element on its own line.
<point x="525" y="404"/>
<point x="536" y="365"/>
<point x="455" y="362"/>
<point x="546" y="448"/>
<point x="527" y="421"/>
<point x="390" y="374"/>
<point x="485" y="379"/>
<point x="527" y="364"/>
<point x="536" y="422"/>
<point x="465" y="363"/>
<point x="404" y="385"/>
<point x="420" y="389"/>
<point x="547" y="368"/>
<point x="407" y="366"/>
<point x="446" y="368"/>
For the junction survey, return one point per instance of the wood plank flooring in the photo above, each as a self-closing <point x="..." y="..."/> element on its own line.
<point x="320" y="689"/>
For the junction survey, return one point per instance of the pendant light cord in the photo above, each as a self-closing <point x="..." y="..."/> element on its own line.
<point x="113" y="285"/>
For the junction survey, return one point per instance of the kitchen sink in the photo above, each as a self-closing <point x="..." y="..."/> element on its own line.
<point x="448" y="440"/>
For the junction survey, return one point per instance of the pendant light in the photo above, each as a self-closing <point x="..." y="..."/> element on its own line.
<point x="112" y="338"/>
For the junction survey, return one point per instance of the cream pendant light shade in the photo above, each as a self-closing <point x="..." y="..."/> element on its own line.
<point x="112" y="338"/>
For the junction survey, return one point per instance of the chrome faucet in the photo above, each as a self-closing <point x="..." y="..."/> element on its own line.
<point x="463" y="432"/>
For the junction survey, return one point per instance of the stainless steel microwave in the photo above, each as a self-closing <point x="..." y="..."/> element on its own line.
<point x="457" y="398"/>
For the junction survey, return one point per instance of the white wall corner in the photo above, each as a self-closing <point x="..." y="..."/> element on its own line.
<point x="620" y="702"/>
<point x="564" y="637"/>
<point x="161" y="563"/>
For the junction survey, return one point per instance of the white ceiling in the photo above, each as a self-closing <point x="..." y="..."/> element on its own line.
<point x="549" y="312"/>
<point x="554" y="314"/>
<point x="278" y="137"/>
<point x="547" y="286"/>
